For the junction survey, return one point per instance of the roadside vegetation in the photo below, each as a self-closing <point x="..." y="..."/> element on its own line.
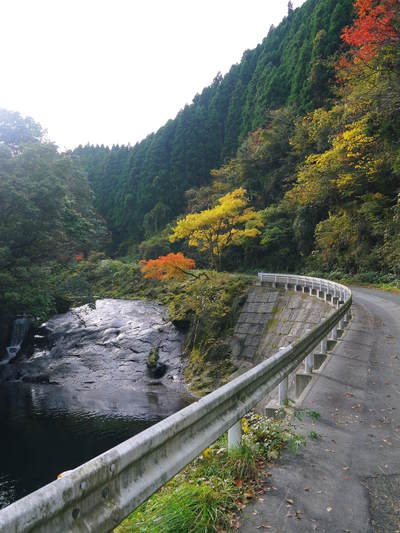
<point x="204" y="305"/>
<point x="210" y="493"/>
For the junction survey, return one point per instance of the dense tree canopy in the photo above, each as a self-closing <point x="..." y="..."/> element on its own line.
<point x="140" y="189"/>
<point x="47" y="213"/>
<point x="307" y="124"/>
<point x="328" y="181"/>
<point x="212" y="230"/>
<point x="171" y="266"/>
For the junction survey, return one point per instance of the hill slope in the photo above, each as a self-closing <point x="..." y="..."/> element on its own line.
<point x="290" y="67"/>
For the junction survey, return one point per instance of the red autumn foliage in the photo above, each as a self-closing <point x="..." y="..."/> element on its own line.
<point x="374" y="27"/>
<point x="166" y="267"/>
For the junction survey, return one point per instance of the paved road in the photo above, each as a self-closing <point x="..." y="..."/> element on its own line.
<point x="349" y="480"/>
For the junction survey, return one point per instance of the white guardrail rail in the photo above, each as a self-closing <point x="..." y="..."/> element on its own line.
<point x="98" y="495"/>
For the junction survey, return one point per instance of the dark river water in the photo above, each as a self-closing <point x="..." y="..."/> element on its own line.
<point x="85" y="390"/>
<point x="47" y="429"/>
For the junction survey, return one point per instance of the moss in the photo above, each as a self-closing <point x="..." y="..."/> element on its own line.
<point x="203" y="376"/>
<point x="152" y="358"/>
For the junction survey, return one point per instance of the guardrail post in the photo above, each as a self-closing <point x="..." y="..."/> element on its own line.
<point x="89" y="496"/>
<point x="283" y="390"/>
<point x="308" y="364"/>
<point x="324" y="345"/>
<point x="235" y="435"/>
<point x="328" y="296"/>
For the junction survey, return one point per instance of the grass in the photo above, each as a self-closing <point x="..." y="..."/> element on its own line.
<point x="208" y="495"/>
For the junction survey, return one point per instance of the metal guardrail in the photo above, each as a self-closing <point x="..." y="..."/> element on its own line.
<point x="98" y="495"/>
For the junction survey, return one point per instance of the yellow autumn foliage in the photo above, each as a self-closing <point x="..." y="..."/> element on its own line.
<point x="212" y="230"/>
<point x="345" y="169"/>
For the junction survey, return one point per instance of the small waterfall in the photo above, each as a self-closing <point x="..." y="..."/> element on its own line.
<point x="20" y="329"/>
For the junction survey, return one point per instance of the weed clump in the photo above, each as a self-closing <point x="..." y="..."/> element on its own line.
<point x="208" y="495"/>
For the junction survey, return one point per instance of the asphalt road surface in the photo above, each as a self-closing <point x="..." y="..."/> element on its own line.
<point x="348" y="480"/>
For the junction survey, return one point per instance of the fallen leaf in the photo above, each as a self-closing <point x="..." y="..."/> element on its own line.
<point x="239" y="483"/>
<point x="307" y="489"/>
<point x="329" y="509"/>
<point x="264" y="526"/>
<point x="290" y="501"/>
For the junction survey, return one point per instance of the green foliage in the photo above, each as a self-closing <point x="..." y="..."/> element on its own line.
<point x="271" y="436"/>
<point x="156" y="245"/>
<point x="152" y="358"/>
<point x="313" y="139"/>
<point x="206" y="308"/>
<point x="16" y="131"/>
<point x="190" y="508"/>
<point x="321" y="166"/>
<point x="47" y="216"/>
<point x="208" y="494"/>
<point x="278" y="239"/>
<point x="140" y="189"/>
<point x="209" y="307"/>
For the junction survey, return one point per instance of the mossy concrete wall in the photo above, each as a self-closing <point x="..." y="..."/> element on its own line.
<point x="272" y="319"/>
<point x="254" y="318"/>
<point x="294" y="314"/>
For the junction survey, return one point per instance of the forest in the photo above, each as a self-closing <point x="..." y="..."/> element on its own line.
<point x="289" y="162"/>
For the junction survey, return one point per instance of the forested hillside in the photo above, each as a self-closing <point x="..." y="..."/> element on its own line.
<point x="140" y="189"/>
<point x="289" y="162"/>
<point x="47" y="218"/>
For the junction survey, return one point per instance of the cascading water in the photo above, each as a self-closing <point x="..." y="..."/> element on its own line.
<point x="20" y="329"/>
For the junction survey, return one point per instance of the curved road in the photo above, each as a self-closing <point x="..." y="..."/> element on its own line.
<point x="349" y="479"/>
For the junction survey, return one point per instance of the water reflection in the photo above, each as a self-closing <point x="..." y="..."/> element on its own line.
<point x="49" y="429"/>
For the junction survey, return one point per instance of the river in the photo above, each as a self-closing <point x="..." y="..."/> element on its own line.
<point x="87" y="391"/>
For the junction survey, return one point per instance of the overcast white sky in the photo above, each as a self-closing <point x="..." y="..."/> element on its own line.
<point x="112" y="71"/>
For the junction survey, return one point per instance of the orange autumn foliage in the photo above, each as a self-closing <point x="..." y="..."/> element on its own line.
<point x="171" y="266"/>
<point x="374" y="27"/>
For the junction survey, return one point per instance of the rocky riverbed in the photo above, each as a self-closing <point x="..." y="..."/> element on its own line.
<point x="85" y="388"/>
<point x="88" y="348"/>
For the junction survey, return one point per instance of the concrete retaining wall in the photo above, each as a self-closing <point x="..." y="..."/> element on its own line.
<point x="96" y="496"/>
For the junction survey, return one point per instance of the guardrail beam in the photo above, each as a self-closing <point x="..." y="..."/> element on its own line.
<point x="99" y="494"/>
